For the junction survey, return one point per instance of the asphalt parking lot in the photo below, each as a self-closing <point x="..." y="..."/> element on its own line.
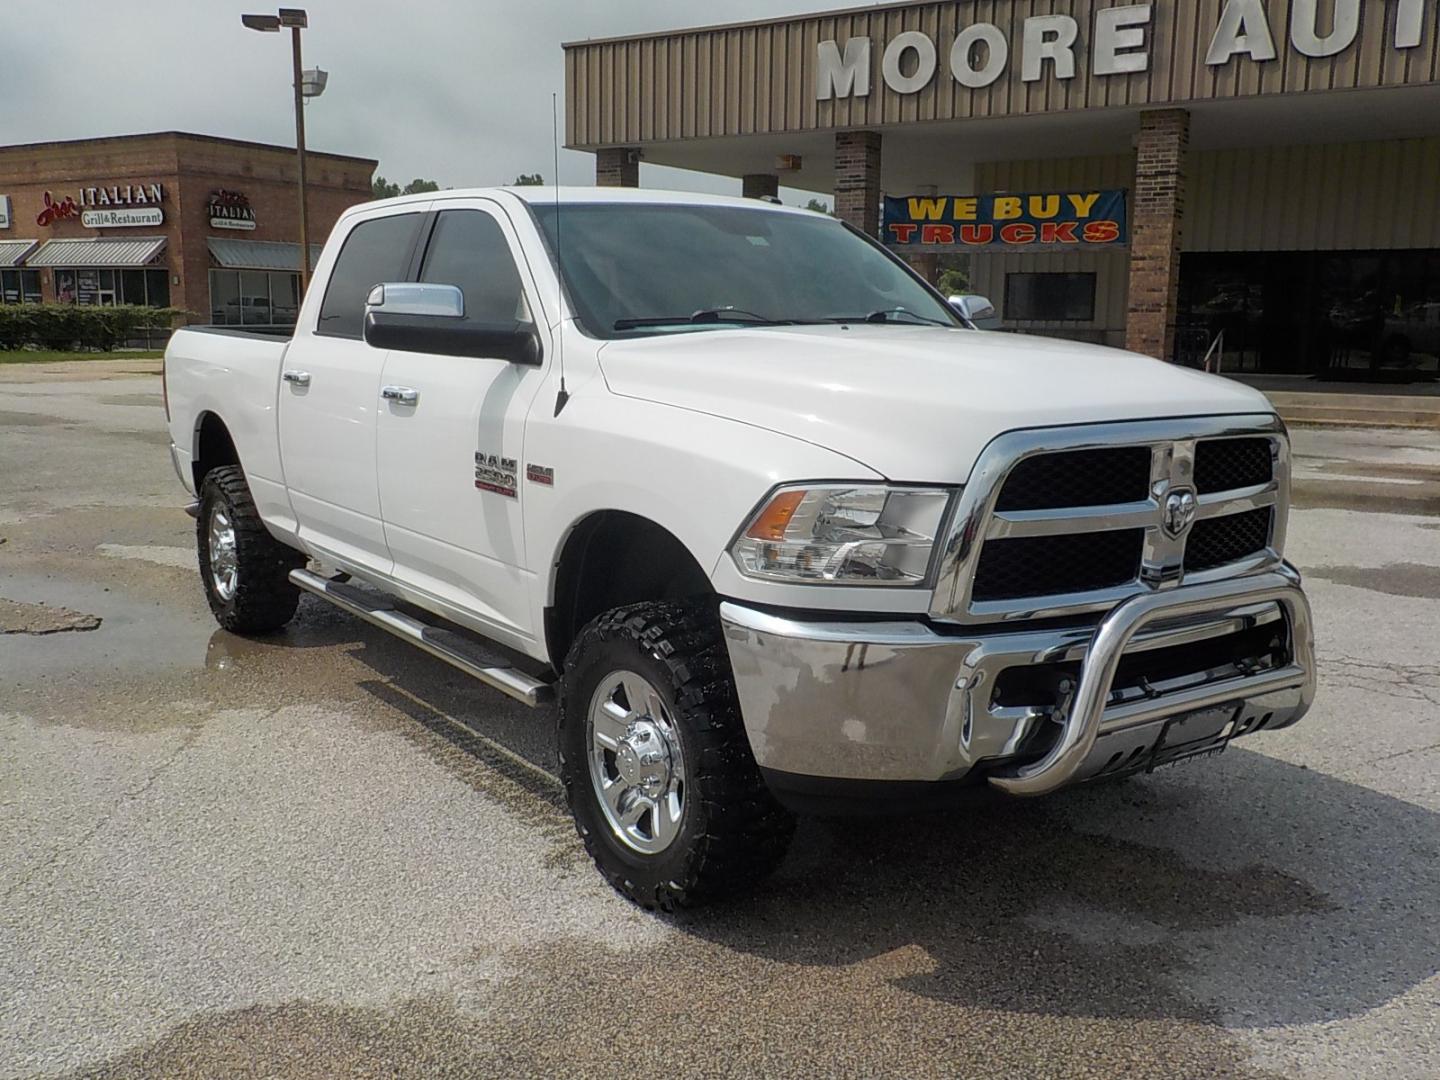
<point x="325" y="854"/>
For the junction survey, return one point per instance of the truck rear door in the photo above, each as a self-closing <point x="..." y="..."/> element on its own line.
<point x="330" y="394"/>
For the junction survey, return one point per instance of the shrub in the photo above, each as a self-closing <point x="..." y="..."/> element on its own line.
<point x="66" y="327"/>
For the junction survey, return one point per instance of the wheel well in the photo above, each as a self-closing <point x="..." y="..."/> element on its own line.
<point x="214" y="447"/>
<point x="610" y="559"/>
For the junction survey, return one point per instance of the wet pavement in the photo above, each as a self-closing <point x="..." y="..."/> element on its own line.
<point x="325" y="854"/>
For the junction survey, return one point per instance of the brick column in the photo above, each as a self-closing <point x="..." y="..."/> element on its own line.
<point x="617" y="166"/>
<point x="1157" y="220"/>
<point x="857" y="179"/>
<point x="760" y="186"/>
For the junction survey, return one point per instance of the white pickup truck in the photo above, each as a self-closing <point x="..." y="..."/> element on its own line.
<point x="779" y="528"/>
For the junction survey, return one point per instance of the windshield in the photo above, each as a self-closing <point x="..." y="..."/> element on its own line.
<point x="643" y="268"/>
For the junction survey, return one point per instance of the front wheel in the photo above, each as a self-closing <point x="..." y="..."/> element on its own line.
<point x="657" y="769"/>
<point x="246" y="571"/>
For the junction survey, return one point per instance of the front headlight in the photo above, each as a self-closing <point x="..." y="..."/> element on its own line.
<point x="843" y="535"/>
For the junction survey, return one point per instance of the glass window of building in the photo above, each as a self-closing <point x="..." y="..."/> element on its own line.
<point x="101" y="286"/>
<point x="20" y="286"/>
<point x="1343" y="314"/>
<point x="1050" y="297"/>
<point x="254" y="298"/>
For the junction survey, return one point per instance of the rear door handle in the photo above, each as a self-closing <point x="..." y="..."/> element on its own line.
<point x="299" y="378"/>
<point x="403" y="394"/>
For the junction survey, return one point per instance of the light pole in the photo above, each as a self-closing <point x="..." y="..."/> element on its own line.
<point x="308" y="84"/>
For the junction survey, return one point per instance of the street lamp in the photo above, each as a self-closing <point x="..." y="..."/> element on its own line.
<point x="308" y="84"/>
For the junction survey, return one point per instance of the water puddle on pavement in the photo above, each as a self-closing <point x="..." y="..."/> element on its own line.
<point x="151" y="401"/>
<point x="132" y="634"/>
<point x="181" y="558"/>
<point x="1413" y="580"/>
<point x="25" y="419"/>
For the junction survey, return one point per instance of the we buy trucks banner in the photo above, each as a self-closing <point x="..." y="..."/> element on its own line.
<point x="1054" y="221"/>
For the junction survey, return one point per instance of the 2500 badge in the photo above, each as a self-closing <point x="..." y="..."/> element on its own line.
<point x="495" y="474"/>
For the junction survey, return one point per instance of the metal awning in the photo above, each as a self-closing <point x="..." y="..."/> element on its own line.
<point x="259" y="254"/>
<point x="99" y="251"/>
<point x="13" y="252"/>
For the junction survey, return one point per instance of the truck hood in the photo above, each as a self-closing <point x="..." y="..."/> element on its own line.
<point x="915" y="404"/>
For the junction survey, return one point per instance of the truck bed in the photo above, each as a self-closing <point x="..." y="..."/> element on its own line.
<point x="230" y="373"/>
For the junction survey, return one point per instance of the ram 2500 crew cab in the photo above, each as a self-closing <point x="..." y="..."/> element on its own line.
<point x="778" y="527"/>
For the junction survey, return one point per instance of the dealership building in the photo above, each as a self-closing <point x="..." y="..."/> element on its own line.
<point x="1148" y="175"/>
<point x="204" y="224"/>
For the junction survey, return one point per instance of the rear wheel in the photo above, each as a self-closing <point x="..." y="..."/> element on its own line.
<point x="246" y="571"/>
<point x="657" y="769"/>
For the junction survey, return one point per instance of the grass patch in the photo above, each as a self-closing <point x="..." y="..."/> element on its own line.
<point x="33" y="356"/>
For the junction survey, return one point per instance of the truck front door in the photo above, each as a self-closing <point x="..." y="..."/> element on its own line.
<point x="451" y="459"/>
<point x="330" y="396"/>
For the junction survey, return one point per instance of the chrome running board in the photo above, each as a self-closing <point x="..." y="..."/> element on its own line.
<point x="454" y="648"/>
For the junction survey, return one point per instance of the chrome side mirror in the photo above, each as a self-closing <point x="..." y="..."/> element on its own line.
<point x="417" y="298"/>
<point x="424" y="318"/>
<point x="975" y="310"/>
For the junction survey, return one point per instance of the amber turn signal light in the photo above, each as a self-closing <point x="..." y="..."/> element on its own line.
<point x="775" y="518"/>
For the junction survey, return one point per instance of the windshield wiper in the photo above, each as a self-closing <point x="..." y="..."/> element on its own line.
<point x="703" y="317"/>
<point x="884" y="316"/>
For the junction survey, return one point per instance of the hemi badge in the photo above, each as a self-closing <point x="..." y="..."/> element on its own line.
<point x="540" y="474"/>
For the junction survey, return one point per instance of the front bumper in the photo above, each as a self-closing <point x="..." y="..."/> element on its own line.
<point x="904" y="701"/>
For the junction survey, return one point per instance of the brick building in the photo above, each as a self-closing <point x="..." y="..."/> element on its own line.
<point x="1149" y="175"/>
<point x="205" y="224"/>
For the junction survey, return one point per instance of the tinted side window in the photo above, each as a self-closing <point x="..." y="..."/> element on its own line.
<point x="468" y="249"/>
<point x="375" y="251"/>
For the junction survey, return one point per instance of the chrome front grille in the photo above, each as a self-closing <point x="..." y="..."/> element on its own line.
<point x="1027" y="566"/>
<point x="1064" y="521"/>
<point x="1078" y="478"/>
<point x="1222" y="540"/>
<point x="1232" y="464"/>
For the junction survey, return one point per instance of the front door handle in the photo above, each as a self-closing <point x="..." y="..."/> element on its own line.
<point x="299" y="378"/>
<point x="402" y="394"/>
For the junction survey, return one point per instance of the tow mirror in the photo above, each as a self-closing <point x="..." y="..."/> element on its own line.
<point x="976" y="310"/>
<point x="426" y="318"/>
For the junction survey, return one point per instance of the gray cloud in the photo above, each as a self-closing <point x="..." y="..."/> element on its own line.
<point x="437" y="88"/>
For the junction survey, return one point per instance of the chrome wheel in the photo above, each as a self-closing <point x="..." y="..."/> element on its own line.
<point x="224" y="560"/>
<point x="637" y="766"/>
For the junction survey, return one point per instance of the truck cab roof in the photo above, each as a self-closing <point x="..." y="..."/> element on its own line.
<point x="548" y="195"/>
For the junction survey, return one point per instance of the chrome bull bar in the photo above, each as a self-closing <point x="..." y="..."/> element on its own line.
<point x="1081" y="727"/>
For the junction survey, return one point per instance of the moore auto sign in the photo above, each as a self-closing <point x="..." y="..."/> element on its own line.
<point x="1119" y="44"/>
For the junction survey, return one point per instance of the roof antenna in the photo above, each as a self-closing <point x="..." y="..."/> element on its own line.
<point x="564" y="395"/>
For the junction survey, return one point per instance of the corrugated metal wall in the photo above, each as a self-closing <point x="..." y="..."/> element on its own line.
<point x="752" y="78"/>
<point x="1351" y="196"/>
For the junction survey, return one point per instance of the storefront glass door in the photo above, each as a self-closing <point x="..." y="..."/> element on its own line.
<point x="1358" y="315"/>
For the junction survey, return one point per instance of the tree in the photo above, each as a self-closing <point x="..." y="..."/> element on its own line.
<point x="388" y="189"/>
<point x="820" y="206"/>
<point x="954" y="275"/>
<point x="529" y="180"/>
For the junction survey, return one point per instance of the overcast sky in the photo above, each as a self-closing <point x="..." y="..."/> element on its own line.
<point x="444" y="89"/>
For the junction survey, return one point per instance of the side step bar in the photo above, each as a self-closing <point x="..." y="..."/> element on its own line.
<point x="455" y="649"/>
